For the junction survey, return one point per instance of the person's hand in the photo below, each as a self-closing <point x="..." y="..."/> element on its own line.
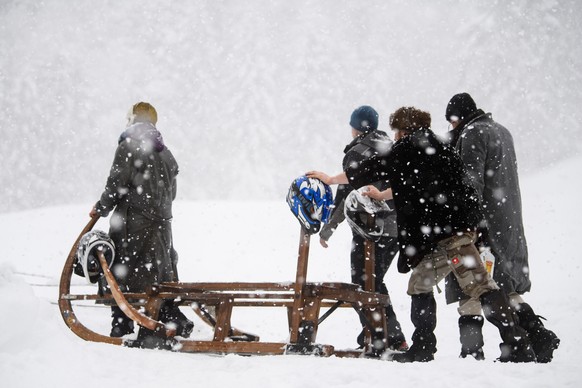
<point x="93" y="213"/>
<point x="373" y="193"/>
<point x="323" y="243"/>
<point x="319" y="175"/>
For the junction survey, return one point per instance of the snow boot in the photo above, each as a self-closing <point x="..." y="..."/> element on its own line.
<point x="543" y="341"/>
<point x="121" y="324"/>
<point x="516" y="346"/>
<point x="377" y="347"/>
<point x="471" y="336"/>
<point x="151" y="339"/>
<point x="423" y="316"/>
<point x="396" y="339"/>
<point x="170" y="313"/>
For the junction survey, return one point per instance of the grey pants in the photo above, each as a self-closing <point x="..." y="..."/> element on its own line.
<point x="472" y="306"/>
<point x="456" y="254"/>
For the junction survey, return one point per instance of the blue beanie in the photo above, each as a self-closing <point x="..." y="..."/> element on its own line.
<point x="364" y="119"/>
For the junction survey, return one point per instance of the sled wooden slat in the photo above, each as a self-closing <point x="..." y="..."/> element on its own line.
<point x="243" y="348"/>
<point x="260" y="348"/>
<point x="362" y="297"/>
<point x="133" y="298"/>
<point x="298" y="287"/>
<point x="192" y="287"/>
<point x="239" y="286"/>
<point x="223" y="315"/>
<point x="234" y="332"/>
<point x="347" y="353"/>
<point x="242" y="299"/>
<point x="231" y="295"/>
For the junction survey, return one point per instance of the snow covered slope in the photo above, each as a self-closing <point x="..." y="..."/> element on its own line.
<point x="233" y="241"/>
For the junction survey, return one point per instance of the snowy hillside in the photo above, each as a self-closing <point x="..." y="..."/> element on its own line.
<point x="252" y="93"/>
<point x="221" y="241"/>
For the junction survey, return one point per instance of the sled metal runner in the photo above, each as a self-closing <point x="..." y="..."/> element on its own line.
<point x="213" y="303"/>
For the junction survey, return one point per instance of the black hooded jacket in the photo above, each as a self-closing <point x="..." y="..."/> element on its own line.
<point x="433" y="195"/>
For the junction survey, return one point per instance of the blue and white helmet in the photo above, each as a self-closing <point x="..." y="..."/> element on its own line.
<point x="310" y="201"/>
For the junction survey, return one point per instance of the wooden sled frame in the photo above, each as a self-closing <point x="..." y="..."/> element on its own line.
<point x="302" y="300"/>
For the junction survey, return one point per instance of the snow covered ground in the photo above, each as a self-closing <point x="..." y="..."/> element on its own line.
<point x="263" y="74"/>
<point x="246" y="241"/>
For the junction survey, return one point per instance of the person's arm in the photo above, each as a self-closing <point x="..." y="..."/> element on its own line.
<point x="473" y="151"/>
<point x="339" y="179"/>
<point x="117" y="185"/>
<point x="362" y="171"/>
<point x="337" y="215"/>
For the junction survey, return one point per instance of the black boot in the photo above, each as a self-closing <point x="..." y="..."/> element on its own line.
<point x="543" y="341"/>
<point x="516" y="346"/>
<point x="471" y="336"/>
<point x="423" y="316"/>
<point x="151" y="339"/>
<point x="170" y="313"/>
<point x="396" y="339"/>
<point x="121" y="324"/>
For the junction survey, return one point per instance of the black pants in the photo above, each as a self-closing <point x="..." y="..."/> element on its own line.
<point x="385" y="250"/>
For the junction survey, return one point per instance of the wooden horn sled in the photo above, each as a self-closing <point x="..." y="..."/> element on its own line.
<point x="307" y="306"/>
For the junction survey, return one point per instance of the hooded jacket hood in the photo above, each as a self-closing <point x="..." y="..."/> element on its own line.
<point x="144" y="133"/>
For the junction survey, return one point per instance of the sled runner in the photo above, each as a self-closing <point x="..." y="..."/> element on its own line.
<point x="213" y="303"/>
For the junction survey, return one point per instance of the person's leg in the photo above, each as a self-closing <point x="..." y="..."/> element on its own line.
<point x="357" y="256"/>
<point x="384" y="254"/>
<point x="385" y="250"/>
<point x="470" y="328"/>
<point x="474" y="280"/>
<point x="431" y="270"/>
<point x="423" y="316"/>
<point x="543" y="341"/>
<point x="120" y="324"/>
<point x="170" y="313"/>
<point x="396" y="338"/>
<point x="516" y="346"/>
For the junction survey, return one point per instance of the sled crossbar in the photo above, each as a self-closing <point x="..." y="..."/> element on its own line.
<point x="249" y="300"/>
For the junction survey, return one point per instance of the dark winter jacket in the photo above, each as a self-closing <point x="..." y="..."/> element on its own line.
<point x="433" y="195"/>
<point x="141" y="187"/>
<point x="488" y="153"/>
<point x="368" y="145"/>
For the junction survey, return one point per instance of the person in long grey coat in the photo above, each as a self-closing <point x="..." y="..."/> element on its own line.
<point x="139" y="190"/>
<point x="488" y="152"/>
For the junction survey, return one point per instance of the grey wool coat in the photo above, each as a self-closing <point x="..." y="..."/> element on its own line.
<point x="488" y="152"/>
<point x="140" y="189"/>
